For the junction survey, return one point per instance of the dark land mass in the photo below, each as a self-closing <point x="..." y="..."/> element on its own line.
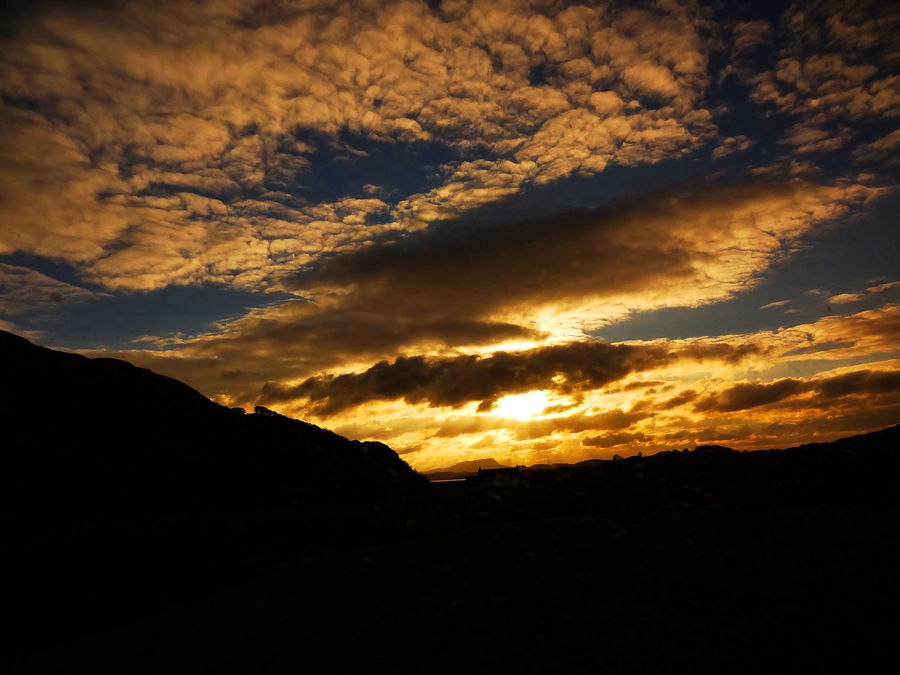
<point x="149" y="530"/>
<point x="463" y="469"/>
<point x="102" y="434"/>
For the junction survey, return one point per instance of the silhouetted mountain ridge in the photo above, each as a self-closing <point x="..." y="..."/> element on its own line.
<point x="466" y="468"/>
<point x="102" y="434"/>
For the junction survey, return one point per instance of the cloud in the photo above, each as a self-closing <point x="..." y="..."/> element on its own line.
<point x="159" y="143"/>
<point x="568" y="369"/>
<point x="677" y="400"/>
<point x="880" y="288"/>
<point x="731" y="145"/>
<point x="835" y="71"/>
<point x="24" y="291"/>
<point x="749" y="35"/>
<point x="580" y="268"/>
<point x="885" y="148"/>
<point x="505" y="429"/>
<point x="476" y="287"/>
<point x="844" y="298"/>
<point x="10" y="327"/>
<point x="871" y="330"/>
<point x="293" y="339"/>
<point x="866" y="335"/>
<point x="807" y="137"/>
<point x="612" y="440"/>
<point x="744" y="396"/>
<point x="647" y="78"/>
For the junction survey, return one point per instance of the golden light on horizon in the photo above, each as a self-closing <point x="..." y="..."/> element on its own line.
<point x="521" y="406"/>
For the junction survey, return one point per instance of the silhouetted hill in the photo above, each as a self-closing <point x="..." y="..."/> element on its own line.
<point x="102" y="434"/>
<point x="862" y="469"/>
<point x="462" y="469"/>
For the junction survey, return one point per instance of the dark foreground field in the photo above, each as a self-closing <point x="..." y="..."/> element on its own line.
<point x="794" y="589"/>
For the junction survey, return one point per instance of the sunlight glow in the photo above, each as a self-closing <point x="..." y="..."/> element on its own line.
<point x="521" y="406"/>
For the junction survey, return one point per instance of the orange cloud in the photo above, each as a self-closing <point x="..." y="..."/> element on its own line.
<point x="156" y="144"/>
<point x="843" y="298"/>
<point x="588" y="268"/>
<point x="454" y="381"/>
<point x="836" y="68"/>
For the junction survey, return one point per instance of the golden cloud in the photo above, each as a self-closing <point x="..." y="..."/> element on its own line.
<point x="453" y="381"/>
<point x="836" y="69"/>
<point x="157" y="144"/>
<point x="23" y="290"/>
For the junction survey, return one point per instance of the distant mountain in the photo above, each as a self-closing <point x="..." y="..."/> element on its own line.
<point x="462" y="469"/>
<point x="102" y="434"/>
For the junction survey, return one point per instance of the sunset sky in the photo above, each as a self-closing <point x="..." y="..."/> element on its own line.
<point x="538" y="232"/>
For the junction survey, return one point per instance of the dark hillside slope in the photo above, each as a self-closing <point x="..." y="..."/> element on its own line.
<point x="862" y="469"/>
<point x="102" y="434"/>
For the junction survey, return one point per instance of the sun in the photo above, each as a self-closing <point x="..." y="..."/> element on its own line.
<point x="521" y="406"/>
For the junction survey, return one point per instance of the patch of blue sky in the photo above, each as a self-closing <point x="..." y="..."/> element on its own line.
<point x="353" y="165"/>
<point x="114" y="320"/>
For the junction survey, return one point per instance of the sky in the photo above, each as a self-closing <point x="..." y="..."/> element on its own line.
<point x="536" y="231"/>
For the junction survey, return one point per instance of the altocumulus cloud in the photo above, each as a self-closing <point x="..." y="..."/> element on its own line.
<point x="169" y="142"/>
<point x="835" y="70"/>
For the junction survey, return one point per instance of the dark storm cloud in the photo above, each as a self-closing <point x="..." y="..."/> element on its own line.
<point x="454" y="381"/>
